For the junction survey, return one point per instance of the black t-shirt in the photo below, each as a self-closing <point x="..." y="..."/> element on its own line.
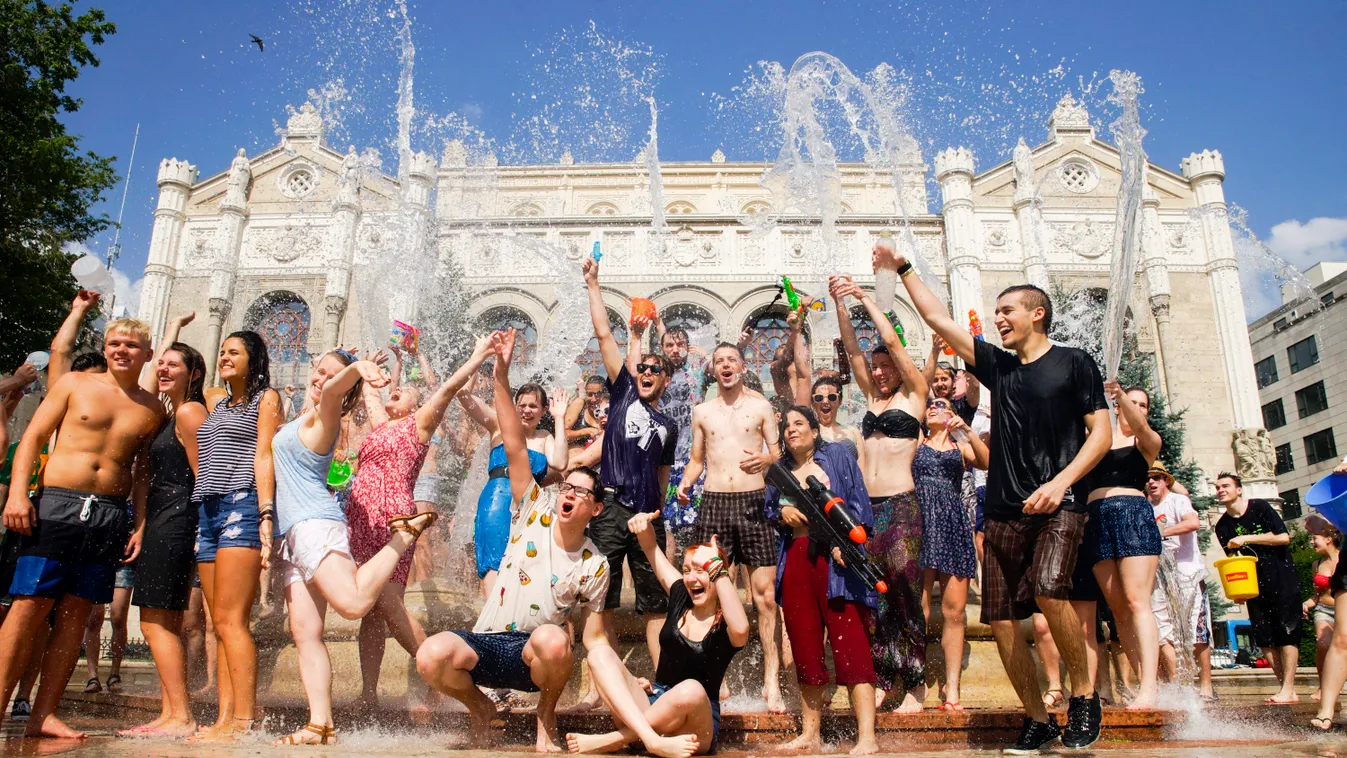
<point x="681" y="659"/>
<point x="638" y="440"/>
<point x="1038" y="421"/>
<point x="1276" y="572"/>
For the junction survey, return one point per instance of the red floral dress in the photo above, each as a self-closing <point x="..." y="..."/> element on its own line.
<point x="390" y="460"/>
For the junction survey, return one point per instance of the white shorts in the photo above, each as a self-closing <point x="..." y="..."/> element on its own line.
<point x="1192" y="588"/>
<point x="307" y="544"/>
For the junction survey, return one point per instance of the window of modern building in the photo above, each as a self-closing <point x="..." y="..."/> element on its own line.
<point x="1303" y="354"/>
<point x="1326" y="298"/>
<point x="1310" y="400"/>
<point x="1274" y="415"/>
<point x="1320" y="447"/>
<point x="1285" y="463"/>
<point x="1279" y="324"/>
<point x="1266" y="370"/>
<point x="1291" y="504"/>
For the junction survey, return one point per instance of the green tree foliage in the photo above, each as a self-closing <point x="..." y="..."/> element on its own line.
<point x="1303" y="557"/>
<point x="47" y="185"/>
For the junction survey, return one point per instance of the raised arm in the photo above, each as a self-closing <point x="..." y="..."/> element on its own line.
<point x="63" y="344"/>
<point x="640" y="525"/>
<point x="638" y="327"/>
<point x="23" y="376"/>
<point x="598" y="313"/>
<point x="780" y="368"/>
<point x="327" y="425"/>
<point x="558" y="451"/>
<point x="478" y="411"/>
<point x="932" y="311"/>
<point x="507" y="416"/>
<point x="431" y="413"/>
<point x="975" y="451"/>
<point x="1148" y="440"/>
<point x="149" y="379"/>
<point x="860" y="370"/>
<point x="803" y="370"/>
<point x="932" y="360"/>
<point x="591" y="455"/>
<point x="914" y="384"/>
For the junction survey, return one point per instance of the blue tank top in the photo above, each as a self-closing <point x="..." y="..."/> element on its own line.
<point x="498" y="467"/>
<point x="301" y="480"/>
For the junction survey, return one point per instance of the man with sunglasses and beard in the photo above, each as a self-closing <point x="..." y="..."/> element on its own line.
<point x="638" y="450"/>
<point x="826" y="402"/>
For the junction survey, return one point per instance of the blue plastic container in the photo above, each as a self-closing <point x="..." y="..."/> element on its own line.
<point x="1328" y="496"/>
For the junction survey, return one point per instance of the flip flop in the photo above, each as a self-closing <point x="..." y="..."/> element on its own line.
<point x="1316" y="721"/>
<point x="955" y="706"/>
<point x="92" y="687"/>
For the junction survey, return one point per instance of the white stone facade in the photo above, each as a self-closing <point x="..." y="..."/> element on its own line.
<point x="300" y="218"/>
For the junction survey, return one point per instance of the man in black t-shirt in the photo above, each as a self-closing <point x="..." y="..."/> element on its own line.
<point x="1252" y="526"/>
<point x="1050" y="427"/>
<point x="638" y="449"/>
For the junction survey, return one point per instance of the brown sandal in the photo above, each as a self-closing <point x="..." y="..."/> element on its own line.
<point x="327" y="735"/>
<point x="404" y="523"/>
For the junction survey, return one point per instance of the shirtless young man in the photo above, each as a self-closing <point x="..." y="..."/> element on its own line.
<point x="76" y="530"/>
<point x="734" y="440"/>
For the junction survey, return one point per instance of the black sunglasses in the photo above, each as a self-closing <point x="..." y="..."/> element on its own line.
<point x="653" y="368"/>
<point x="829" y="398"/>
<point x="1157" y="477"/>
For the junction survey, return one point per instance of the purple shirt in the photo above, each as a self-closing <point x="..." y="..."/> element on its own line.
<point x="638" y="440"/>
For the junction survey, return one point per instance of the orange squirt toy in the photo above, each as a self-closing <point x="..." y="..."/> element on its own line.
<point x="975" y="325"/>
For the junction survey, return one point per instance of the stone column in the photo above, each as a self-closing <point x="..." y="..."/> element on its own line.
<point x="1254" y="457"/>
<point x="341" y="256"/>
<point x="233" y="212"/>
<point x="175" y="182"/>
<point x="1157" y="284"/>
<point x="954" y="171"/>
<point x="1029" y="215"/>
<point x="415" y="212"/>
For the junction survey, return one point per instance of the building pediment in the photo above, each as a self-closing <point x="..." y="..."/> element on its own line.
<point x="1077" y="173"/>
<point x="296" y="177"/>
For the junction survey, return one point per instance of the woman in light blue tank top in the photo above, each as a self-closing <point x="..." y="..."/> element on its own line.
<point x="316" y="563"/>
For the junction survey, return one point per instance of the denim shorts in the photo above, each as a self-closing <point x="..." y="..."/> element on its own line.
<point x="1122" y="526"/>
<point x="228" y="520"/>
<point x="500" y="660"/>
<point x="657" y="690"/>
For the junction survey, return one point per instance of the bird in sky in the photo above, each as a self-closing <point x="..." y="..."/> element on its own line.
<point x="257" y="41"/>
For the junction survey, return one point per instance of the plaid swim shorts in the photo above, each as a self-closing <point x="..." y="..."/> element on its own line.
<point x="737" y="520"/>
<point x="1033" y="556"/>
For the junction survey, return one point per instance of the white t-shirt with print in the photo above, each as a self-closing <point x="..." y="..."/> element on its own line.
<point x="1183" y="547"/>
<point x="538" y="582"/>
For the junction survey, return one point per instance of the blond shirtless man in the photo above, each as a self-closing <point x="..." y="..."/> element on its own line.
<point x="734" y="440"/>
<point x="79" y="527"/>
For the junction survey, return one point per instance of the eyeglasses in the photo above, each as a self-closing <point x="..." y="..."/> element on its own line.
<point x="653" y="368"/>
<point x="829" y="398"/>
<point x="566" y="488"/>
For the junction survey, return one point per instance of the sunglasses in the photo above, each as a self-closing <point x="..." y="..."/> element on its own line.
<point x="653" y="368"/>
<point x="1157" y="477"/>
<point x="566" y="488"/>
<point x="829" y="398"/>
<point x="941" y="405"/>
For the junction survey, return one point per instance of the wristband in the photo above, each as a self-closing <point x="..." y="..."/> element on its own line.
<point x="718" y="573"/>
<point x="905" y="269"/>
<point x="707" y="566"/>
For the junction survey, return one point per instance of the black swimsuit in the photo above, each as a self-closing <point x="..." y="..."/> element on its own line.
<point x="895" y="423"/>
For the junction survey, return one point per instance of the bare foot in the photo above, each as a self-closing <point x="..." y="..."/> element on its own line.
<point x="811" y="743"/>
<point x="1283" y="699"/>
<point x="724" y="690"/>
<point x="865" y="747"/>
<point x="139" y="731"/>
<point x="1145" y="700"/>
<point x="204" y="691"/>
<point x="771" y="692"/>
<point x="548" y="739"/>
<point x="177" y="729"/>
<point x="589" y="702"/>
<point x="677" y="746"/>
<point x="53" y="728"/>
<point x="1315" y="696"/>
<point x="880" y="695"/>
<point x="911" y="703"/>
<point x="594" y="743"/>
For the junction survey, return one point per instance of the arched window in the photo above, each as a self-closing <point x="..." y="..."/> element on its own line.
<point x="526" y="210"/>
<point x="591" y="360"/>
<point x="770" y="331"/>
<point x="282" y="318"/>
<point x="602" y="209"/>
<point x="698" y="322"/>
<point x="679" y="208"/>
<point x="506" y="317"/>
<point x="866" y="334"/>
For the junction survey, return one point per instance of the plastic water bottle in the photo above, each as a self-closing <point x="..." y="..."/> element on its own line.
<point x="38" y="360"/>
<point x="91" y="274"/>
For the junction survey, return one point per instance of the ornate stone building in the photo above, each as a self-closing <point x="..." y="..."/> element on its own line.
<point x="279" y="235"/>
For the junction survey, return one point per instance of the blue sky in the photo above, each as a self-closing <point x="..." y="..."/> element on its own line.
<point x="1262" y="84"/>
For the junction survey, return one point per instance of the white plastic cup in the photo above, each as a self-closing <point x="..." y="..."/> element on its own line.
<point x="91" y="274"/>
<point x="38" y="360"/>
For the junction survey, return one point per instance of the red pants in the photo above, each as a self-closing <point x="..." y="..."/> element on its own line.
<point x="808" y="611"/>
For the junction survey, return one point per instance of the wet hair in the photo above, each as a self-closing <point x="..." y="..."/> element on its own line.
<point x="545" y="421"/>
<point x="352" y="397"/>
<point x="133" y="326"/>
<point x="1034" y="297"/>
<point x="675" y="331"/>
<point x="780" y="404"/>
<point x="828" y="380"/>
<point x="196" y="371"/>
<point x="596" y="379"/>
<point x="593" y="475"/>
<point x="731" y="346"/>
<point x="947" y="367"/>
<point x="92" y="363"/>
<point x="1232" y="477"/>
<point x="259" y="361"/>
<point x="880" y="349"/>
<point x="1138" y="388"/>
<point x="809" y="418"/>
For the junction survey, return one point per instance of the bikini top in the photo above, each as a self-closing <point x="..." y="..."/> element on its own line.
<point x="894" y="423"/>
<point x="1121" y="467"/>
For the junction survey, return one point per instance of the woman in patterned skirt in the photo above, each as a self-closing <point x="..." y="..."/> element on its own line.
<point x="947" y="551"/>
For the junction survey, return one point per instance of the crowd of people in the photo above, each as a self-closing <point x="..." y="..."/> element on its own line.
<point x="1006" y="476"/>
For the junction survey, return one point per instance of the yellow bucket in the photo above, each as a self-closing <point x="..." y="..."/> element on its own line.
<point x="1239" y="577"/>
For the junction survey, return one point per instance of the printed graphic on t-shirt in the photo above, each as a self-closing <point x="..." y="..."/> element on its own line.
<point x="642" y="428"/>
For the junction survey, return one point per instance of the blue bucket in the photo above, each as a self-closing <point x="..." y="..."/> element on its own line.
<point x="1329" y="497"/>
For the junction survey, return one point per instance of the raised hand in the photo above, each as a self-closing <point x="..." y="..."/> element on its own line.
<point x="503" y="344"/>
<point x="837" y="287"/>
<point x="184" y="319"/>
<point x="885" y="256"/>
<point x="638" y="325"/>
<point x="86" y="299"/>
<point x="590" y="267"/>
<point x="556" y="405"/>
<point x="27" y="373"/>
<point x="640" y="525"/>
<point x="480" y="347"/>
<point x="371" y="373"/>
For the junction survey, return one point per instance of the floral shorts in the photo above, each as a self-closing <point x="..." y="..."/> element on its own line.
<point x="228" y="520"/>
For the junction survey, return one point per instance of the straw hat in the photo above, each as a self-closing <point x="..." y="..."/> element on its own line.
<point x="1159" y="468"/>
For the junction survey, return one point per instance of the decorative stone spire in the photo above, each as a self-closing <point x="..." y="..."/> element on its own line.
<point x="491" y="161"/>
<point x="953" y="160"/>
<point x="174" y="171"/>
<point x="455" y="155"/>
<point x="567" y="159"/>
<point x="1070" y="118"/>
<point x="1205" y="163"/>
<point x="718" y="156"/>
<point x="304" y="124"/>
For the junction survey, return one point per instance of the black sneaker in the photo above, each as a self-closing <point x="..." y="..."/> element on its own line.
<point x="1035" y="736"/>
<point x="1083" y="715"/>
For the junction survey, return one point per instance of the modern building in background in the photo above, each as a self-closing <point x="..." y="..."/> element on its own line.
<point x="1300" y="359"/>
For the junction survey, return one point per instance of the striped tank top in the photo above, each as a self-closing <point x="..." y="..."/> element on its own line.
<point x="226" y="444"/>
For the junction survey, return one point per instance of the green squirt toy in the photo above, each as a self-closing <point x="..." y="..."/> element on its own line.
<point x="897" y="326"/>
<point x="792" y="297"/>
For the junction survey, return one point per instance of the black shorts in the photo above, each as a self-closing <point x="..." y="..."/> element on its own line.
<point x="737" y="521"/>
<point x="167" y="563"/>
<point x="608" y="531"/>
<point x="76" y="546"/>
<point x="1030" y="557"/>
<point x="1275" y="621"/>
<point x="500" y="660"/>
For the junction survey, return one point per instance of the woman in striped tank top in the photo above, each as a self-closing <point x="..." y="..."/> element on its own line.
<point x="234" y="491"/>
